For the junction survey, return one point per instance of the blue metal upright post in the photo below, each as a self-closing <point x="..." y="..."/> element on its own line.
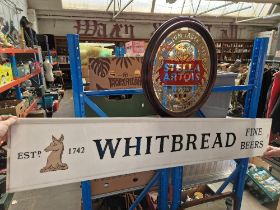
<point x="76" y="74"/>
<point x="37" y="59"/>
<point x="163" y="190"/>
<point x="78" y="96"/>
<point x="251" y="107"/>
<point x="256" y="77"/>
<point x="177" y="179"/>
<point x="15" y="74"/>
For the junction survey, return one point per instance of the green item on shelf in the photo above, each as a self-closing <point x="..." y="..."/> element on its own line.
<point x="265" y="186"/>
<point x="21" y="70"/>
<point x="106" y="52"/>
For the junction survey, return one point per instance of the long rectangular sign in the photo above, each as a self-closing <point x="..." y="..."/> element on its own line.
<point x="48" y="152"/>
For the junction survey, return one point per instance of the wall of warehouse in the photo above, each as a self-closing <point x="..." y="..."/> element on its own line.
<point x="9" y="13"/>
<point x="53" y="19"/>
<point x="135" y="30"/>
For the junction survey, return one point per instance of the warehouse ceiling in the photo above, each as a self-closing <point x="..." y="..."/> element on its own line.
<point x="246" y="8"/>
<point x="212" y="12"/>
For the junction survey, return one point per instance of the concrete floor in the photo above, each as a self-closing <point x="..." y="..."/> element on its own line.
<point x="68" y="197"/>
<point x="66" y="107"/>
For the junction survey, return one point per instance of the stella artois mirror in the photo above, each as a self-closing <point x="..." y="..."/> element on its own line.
<point x="179" y="67"/>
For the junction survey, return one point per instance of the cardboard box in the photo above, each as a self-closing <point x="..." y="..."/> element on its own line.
<point x="115" y="73"/>
<point x="12" y="107"/>
<point x="135" y="48"/>
<point x="204" y="189"/>
<point x="85" y="71"/>
<point x="118" y="183"/>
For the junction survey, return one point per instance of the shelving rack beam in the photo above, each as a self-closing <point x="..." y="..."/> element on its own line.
<point x="18" y="81"/>
<point x="140" y="90"/>
<point x="14" y="51"/>
<point x="162" y="176"/>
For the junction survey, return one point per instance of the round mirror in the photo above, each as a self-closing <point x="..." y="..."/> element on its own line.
<point x="179" y="67"/>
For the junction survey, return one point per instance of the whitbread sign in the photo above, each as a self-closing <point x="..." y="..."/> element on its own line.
<point x="48" y="152"/>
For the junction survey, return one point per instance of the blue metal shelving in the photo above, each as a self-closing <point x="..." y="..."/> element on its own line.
<point x="162" y="176"/>
<point x="12" y="52"/>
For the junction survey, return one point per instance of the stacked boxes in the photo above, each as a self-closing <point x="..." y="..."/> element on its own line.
<point x="135" y="48"/>
<point x="90" y="50"/>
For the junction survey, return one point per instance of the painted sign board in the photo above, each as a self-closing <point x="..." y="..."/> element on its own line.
<point x="179" y="67"/>
<point x="48" y="152"/>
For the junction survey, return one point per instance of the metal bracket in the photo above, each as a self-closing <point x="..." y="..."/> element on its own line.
<point x="121" y="10"/>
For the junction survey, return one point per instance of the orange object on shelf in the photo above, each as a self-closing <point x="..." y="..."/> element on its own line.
<point x="31" y="107"/>
<point x="17" y="51"/>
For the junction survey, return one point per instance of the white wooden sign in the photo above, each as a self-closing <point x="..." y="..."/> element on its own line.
<point x="48" y="152"/>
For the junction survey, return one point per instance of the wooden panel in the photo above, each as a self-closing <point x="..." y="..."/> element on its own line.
<point x="119" y="183"/>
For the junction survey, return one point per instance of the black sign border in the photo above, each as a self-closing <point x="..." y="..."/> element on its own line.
<point x="147" y="67"/>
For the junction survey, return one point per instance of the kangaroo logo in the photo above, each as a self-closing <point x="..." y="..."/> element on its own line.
<point x="54" y="161"/>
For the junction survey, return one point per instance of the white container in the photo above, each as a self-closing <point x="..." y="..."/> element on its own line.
<point x="272" y="44"/>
